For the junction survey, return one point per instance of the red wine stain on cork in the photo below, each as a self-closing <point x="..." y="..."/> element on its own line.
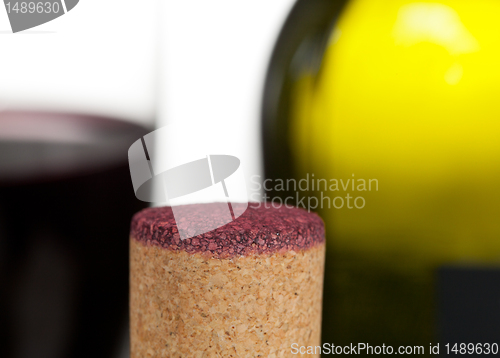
<point x="260" y="230"/>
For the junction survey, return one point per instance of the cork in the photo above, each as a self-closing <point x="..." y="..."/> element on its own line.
<point x="250" y="288"/>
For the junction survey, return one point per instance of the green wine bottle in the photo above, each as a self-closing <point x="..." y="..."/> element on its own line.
<point x="401" y="95"/>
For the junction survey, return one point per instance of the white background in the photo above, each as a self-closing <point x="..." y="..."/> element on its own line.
<point x="152" y="62"/>
<point x="98" y="58"/>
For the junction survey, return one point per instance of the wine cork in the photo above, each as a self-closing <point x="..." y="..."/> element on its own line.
<point x="250" y="288"/>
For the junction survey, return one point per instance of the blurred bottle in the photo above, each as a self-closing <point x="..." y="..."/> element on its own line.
<point x="404" y="93"/>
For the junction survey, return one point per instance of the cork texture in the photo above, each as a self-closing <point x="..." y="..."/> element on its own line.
<point x="195" y="305"/>
<point x="260" y="230"/>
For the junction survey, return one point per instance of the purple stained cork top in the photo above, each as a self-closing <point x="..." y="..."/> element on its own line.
<point x="260" y="230"/>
